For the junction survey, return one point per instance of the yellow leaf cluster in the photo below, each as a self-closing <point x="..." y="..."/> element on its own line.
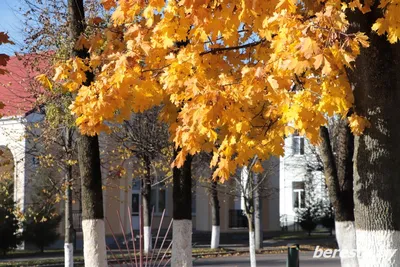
<point x="44" y="81"/>
<point x="234" y="77"/>
<point x="358" y="124"/>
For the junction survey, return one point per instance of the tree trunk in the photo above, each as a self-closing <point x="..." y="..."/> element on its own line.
<point x="182" y="215"/>
<point x="376" y="85"/>
<point x="344" y="215"/>
<point x="146" y="202"/>
<point x="247" y="188"/>
<point x="69" y="228"/>
<point x="92" y="202"/>
<point x="215" y="221"/>
<point x="252" y="240"/>
<point x="89" y="164"/>
<point x="339" y="180"/>
<point x="257" y="215"/>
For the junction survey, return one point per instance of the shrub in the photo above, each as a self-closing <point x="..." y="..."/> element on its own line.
<point x="308" y="219"/>
<point x="41" y="230"/>
<point x="328" y="219"/>
<point x="9" y="226"/>
<point x="42" y="221"/>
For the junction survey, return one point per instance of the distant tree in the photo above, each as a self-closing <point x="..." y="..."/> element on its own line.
<point x="252" y="186"/>
<point x="143" y="139"/>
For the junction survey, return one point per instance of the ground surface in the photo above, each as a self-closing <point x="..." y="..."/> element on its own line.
<point x="232" y="254"/>
<point x="269" y="260"/>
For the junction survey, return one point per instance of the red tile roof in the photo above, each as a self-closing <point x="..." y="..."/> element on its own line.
<point x="19" y="90"/>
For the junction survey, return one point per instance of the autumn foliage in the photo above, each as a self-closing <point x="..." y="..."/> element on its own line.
<point x="234" y="77"/>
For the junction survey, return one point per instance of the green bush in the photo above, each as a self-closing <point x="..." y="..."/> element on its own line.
<point x="327" y="220"/>
<point x="308" y="219"/>
<point x="9" y="227"/>
<point x="42" y="230"/>
<point x="42" y="221"/>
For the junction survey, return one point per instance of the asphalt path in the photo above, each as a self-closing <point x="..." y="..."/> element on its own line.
<point x="267" y="260"/>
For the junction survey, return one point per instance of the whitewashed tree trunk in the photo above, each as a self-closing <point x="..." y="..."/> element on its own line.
<point x="68" y="255"/>
<point x="68" y="217"/>
<point x="89" y="162"/>
<point x="215" y="219"/>
<point x="147" y="239"/>
<point x="378" y="248"/>
<point x="145" y="193"/>
<point x="247" y="180"/>
<point x="182" y="214"/>
<point x="376" y="82"/>
<point x="182" y="243"/>
<point x="69" y="228"/>
<point x="94" y="248"/>
<point x="339" y="180"/>
<point x="252" y="249"/>
<point x="215" y="234"/>
<point x="346" y="238"/>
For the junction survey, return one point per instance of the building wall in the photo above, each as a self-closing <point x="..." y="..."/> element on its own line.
<point x="293" y="168"/>
<point x="272" y="201"/>
<point x="12" y="132"/>
<point x="118" y="190"/>
<point x="229" y="199"/>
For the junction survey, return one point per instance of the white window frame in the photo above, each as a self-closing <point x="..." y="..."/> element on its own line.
<point x="301" y="143"/>
<point x="298" y="192"/>
<point x="299" y="199"/>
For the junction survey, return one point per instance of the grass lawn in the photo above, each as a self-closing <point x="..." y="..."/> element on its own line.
<point x="298" y="235"/>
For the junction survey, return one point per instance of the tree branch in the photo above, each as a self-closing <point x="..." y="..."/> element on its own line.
<point x="221" y="49"/>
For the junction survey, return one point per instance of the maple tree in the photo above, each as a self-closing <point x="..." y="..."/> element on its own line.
<point x="243" y="83"/>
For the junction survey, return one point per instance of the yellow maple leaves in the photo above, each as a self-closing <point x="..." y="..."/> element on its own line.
<point x="42" y="78"/>
<point x="234" y="77"/>
<point x="358" y="124"/>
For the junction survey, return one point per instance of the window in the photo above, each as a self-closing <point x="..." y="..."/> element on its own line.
<point x="135" y="197"/>
<point x="298" y="145"/>
<point x="135" y="203"/>
<point x="299" y="195"/>
<point x="158" y="198"/>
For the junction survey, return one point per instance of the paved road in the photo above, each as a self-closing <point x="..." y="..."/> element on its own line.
<point x="267" y="260"/>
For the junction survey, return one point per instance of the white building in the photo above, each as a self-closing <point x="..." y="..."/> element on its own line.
<point x="300" y="177"/>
